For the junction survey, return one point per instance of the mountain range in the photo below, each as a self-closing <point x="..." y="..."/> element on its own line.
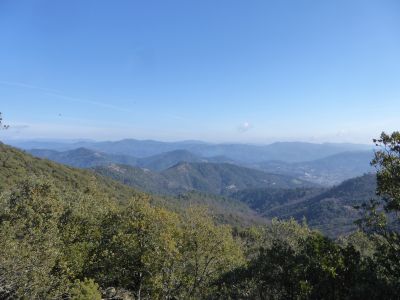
<point x="326" y="171"/>
<point x="243" y="153"/>
<point x="236" y="194"/>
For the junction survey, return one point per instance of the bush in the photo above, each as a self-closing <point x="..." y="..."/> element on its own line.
<point x="85" y="290"/>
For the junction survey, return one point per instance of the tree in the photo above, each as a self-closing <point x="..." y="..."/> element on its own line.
<point x="29" y="233"/>
<point x="137" y="248"/>
<point x="208" y="251"/>
<point x="318" y="269"/>
<point x="387" y="162"/>
<point x="382" y="216"/>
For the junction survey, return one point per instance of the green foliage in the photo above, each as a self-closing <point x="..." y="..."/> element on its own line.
<point x="209" y="251"/>
<point x="264" y="199"/>
<point x="225" y="210"/>
<point x="58" y="232"/>
<point x="15" y="165"/>
<point x="387" y="161"/>
<point x="158" y="254"/>
<point x="62" y="237"/>
<point x="29" y="218"/>
<point x="381" y="219"/>
<point x="137" y="243"/>
<point x="85" y="290"/>
<point x="317" y="269"/>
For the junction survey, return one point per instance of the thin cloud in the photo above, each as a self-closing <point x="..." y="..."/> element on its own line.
<point x="28" y="86"/>
<point x="59" y="94"/>
<point x="18" y="127"/>
<point x="244" y="127"/>
<point x="86" y="101"/>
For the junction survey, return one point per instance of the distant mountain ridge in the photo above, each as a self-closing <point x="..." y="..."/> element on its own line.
<point x="83" y="157"/>
<point x="326" y="171"/>
<point x="242" y="153"/>
<point x="87" y="158"/>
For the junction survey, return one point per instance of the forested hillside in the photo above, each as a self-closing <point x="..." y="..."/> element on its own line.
<point x="265" y="195"/>
<point x="212" y="178"/>
<point x="81" y="236"/>
<point x="330" y="210"/>
<point x="17" y="165"/>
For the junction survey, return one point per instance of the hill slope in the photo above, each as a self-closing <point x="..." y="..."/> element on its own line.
<point x="211" y="178"/>
<point x="224" y="178"/>
<point x="166" y="160"/>
<point x="332" y="211"/>
<point x="16" y="165"/>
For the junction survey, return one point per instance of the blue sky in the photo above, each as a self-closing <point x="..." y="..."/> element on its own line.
<point x="214" y="70"/>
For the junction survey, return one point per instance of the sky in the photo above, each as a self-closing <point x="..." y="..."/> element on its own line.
<point x="213" y="70"/>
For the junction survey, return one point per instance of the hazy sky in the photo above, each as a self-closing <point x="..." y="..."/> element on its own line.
<point x="215" y="70"/>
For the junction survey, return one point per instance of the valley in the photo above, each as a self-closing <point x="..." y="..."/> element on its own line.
<point x="315" y="190"/>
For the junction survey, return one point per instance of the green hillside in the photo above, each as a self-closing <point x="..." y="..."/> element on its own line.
<point x="270" y="195"/>
<point x="79" y="234"/>
<point x="263" y="199"/>
<point x="139" y="178"/>
<point x="224" y="178"/>
<point x="211" y="178"/>
<point x="16" y="165"/>
<point x="331" y="211"/>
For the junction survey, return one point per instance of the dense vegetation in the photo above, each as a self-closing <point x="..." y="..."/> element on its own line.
<point x="65" y="241"/>
<point x="212" y="178"/>
<point x="327" y="209"/>
<point x="16" y="165"/>
<point x="331" y="211"/>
